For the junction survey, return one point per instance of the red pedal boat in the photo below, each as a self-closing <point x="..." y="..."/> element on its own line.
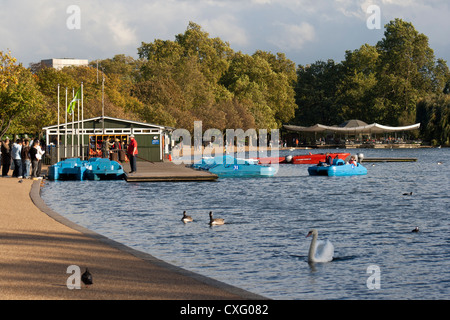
<point x="302" y="159"/>
<point x="317" y="157"/>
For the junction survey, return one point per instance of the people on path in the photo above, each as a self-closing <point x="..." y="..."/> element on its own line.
<point x="6" y="157"/>
<point x="26" y="160"/>
<point x="34" y="158"/>
<point x="40" y="154"/>
<point x="16" y="154"/>
<point x="132" y="152"/>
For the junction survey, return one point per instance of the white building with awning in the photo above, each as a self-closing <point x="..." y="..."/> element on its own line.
<point x="352" y="128"/>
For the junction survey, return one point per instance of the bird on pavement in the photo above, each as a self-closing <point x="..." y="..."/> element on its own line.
<point x="86" y="277"/>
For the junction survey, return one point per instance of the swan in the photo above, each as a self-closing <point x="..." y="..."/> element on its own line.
<point x="186" y="218"/>
<point x="319" y="251"/>
<point x="215" y="221"/>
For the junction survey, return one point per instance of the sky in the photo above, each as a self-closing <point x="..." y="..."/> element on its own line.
<point x="304" y="30"/>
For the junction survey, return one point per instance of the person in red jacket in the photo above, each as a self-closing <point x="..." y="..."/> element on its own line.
<point x="132" y="152"/>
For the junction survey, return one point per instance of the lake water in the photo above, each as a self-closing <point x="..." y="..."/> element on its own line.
<point x="262" y="247"/>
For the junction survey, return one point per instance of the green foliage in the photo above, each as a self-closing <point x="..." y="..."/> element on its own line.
<point x="316" y="93"/>
<point x="434" y="114"/>
<point x="197" y="77"/>
<point x="381" y="83"/>
<point x="22" y="107"/>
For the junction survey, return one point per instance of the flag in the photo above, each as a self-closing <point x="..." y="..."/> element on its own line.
<point x="72" y="103"/>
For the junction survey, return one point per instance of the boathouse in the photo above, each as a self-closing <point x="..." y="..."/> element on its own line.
<point x="87" y="138"/>
<point x="350" y="134"/>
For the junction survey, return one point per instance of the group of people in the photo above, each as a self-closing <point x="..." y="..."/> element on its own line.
<point x="329" y="160"/>
<point x="132" y="150"/>
<point x="23" y="156"/>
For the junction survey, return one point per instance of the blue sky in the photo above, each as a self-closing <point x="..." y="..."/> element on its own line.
<point x="305" y="30"/>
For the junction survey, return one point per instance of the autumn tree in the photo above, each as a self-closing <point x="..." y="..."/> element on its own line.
<point x="21" y="103"/>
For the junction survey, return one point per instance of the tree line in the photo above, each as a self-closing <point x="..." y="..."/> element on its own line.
<point x="196" y="77"/>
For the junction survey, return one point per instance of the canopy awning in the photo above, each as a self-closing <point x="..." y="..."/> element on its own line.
<point x="370" y="128"/>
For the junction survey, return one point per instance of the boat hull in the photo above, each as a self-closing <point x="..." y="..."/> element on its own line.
<point x="69" y="169"/>
<point x="94" y="169"/>
<point x="242" y="170"/>
<point x="104" y="169"/>
<point x="227" y="167"/>
<point x="338" y="169"/>
<point x="318" y="157"/>
<point x="272" y="160"/>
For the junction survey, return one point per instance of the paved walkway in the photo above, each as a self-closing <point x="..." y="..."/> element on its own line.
<point x="36" y="251"/>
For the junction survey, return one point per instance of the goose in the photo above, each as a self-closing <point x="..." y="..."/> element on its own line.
<point x="319" y="250"/>
<point x="186" y="218"/>
<point x="215" y="221"/>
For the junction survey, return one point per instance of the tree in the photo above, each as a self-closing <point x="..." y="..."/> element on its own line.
<point x="407" y="71"/>
<point x="356" y="88"/>
<point x="316" y="91"/>
<point x="261" y="80"/>
<point x="20" y="99"/>
<point x="212" y="54"/>
<point x="433" y="112"/>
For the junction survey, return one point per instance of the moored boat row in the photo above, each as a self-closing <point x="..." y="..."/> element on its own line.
<point x="92" y="169"/>
<point x="228" y="166"/>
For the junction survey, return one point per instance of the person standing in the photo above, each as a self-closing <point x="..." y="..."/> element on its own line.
<point x="34" y="158"/>
<point x="39" y="155"/>
<point x="106" y="146"/>
<point x="16" y="154"/>
<point x="6" y="157"/>
<point x="132" y="152"/>
<point x="26" y="160"/>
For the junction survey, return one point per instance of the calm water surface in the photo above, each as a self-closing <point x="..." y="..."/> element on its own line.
<point x="262" y="247"/>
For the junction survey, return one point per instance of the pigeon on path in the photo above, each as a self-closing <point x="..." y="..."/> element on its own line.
<point x="86" y="277"/>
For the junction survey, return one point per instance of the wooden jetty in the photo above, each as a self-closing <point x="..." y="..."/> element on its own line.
<point x="165" y="171"/>
<point x="389" y="160"/>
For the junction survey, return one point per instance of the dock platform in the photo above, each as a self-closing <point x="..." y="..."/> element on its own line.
<point x="165" y="171"/>
<point x="389" y="160"/>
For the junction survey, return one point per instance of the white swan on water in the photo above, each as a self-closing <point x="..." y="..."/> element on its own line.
<point x="319" y="250"/>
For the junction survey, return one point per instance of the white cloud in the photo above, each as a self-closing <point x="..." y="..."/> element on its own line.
<point x="303" y="29"/>
<point x="292" y="37"/>
<point x="227" y="28"/>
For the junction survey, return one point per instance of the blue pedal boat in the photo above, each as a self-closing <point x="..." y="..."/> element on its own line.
<point x="104" y="169"/>
<point x="93" y="169"/>
<point x="338" y="168"/>
<point x="68" y="169"/>
<point x="228" y="166"/>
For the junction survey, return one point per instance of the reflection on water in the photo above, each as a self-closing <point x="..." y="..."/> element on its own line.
<point x="262" y="247"/>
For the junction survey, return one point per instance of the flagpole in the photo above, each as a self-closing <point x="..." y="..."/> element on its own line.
<point x="57" y="137"/>
<point x="103" y="103"/>
<point x="82" y="123"/>
<point x="78" y="130"/>
<point x="73" y="114"/>
<point x="65" y="132"/>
